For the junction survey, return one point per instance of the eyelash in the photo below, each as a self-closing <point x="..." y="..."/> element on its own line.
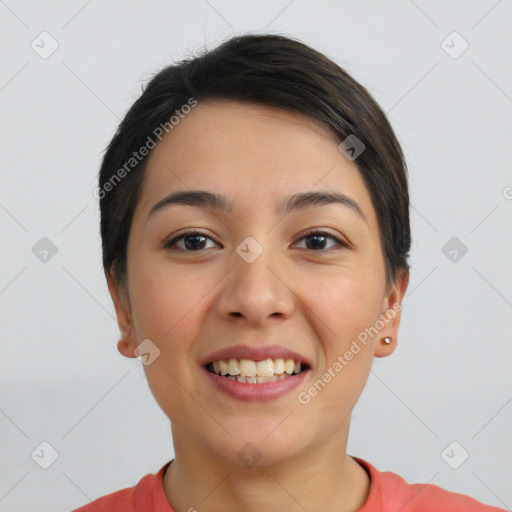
<point x="171" y="243"/>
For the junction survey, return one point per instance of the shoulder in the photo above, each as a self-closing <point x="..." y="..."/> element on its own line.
<point x="146" y="496"/>
<point x="390" y="492"/>
<point x="115" y="502"/>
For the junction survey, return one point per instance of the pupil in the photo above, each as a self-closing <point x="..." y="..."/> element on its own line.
<point x="317" y="237"/>
<point x="193" y="245"/>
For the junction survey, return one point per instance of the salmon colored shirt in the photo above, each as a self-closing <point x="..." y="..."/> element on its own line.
<point x="388" y="493"/>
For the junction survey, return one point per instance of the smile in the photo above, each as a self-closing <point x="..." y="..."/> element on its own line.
<point x="248" y="371"/>
<point x="250" y="380"/>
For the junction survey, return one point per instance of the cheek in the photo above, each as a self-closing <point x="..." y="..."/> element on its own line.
<point x="345" y="308"/>
<point x="346" y="304"/>
<point x="358" y="300"/>
<point x="166" y="310"/>
<point x="164" y="302"/>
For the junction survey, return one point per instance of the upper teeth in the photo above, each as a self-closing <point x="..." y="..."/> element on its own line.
<point x="250" y="368"/>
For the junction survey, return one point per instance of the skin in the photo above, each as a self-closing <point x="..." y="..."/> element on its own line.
<point x="312" y="300"/>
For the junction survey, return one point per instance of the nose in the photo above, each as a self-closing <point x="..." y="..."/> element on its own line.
<point x="259" y="292"/>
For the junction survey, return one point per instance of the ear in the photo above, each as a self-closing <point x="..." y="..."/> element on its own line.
<point x="390" y="314"/>
<point x="127" y="344"/>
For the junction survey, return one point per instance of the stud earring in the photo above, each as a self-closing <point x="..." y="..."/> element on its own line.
<point x="386" y="340"/>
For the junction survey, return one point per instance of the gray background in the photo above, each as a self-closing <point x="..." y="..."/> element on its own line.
<point x="62" y="379"/>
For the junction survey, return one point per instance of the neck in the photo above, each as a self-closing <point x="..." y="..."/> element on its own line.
<point x="322" y="478"/>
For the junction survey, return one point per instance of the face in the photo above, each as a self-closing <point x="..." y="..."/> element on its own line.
<point x="309" y="280"/>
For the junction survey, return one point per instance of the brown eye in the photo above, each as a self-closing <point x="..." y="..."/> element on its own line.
<point x="195" y="241"/>
<point x="318" y="240"/>
<point x="192" y="242"/>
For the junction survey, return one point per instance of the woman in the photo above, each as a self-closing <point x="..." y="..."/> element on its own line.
<point x="255" y="229"/>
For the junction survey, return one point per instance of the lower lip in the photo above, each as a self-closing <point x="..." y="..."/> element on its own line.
<point x="258" y="392"/>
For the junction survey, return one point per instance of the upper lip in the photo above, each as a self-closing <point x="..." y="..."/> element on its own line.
<point x="254" y="353"/>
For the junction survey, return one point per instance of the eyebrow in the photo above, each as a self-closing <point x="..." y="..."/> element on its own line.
<point x="299" y="201"/>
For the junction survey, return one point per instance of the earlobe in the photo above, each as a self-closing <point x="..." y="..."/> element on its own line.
<point x="385" y="346"/>
<point x="388" y="346"/>
<point x="124" y="348"/>
<point x="387" y="340"/>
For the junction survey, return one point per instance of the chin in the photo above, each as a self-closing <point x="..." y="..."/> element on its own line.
<point x="253" y="446"/>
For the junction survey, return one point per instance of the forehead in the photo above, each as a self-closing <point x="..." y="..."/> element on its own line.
<point x="254" y="154"/>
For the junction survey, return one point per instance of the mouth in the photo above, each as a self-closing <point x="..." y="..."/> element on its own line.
<point x="249" y="371"/>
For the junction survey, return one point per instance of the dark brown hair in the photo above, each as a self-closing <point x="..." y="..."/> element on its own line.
<point x="271" y="70"/>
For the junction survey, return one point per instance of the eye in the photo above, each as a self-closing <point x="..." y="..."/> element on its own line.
<point x="194" y="241"/>
<point x="319" y="238"/>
